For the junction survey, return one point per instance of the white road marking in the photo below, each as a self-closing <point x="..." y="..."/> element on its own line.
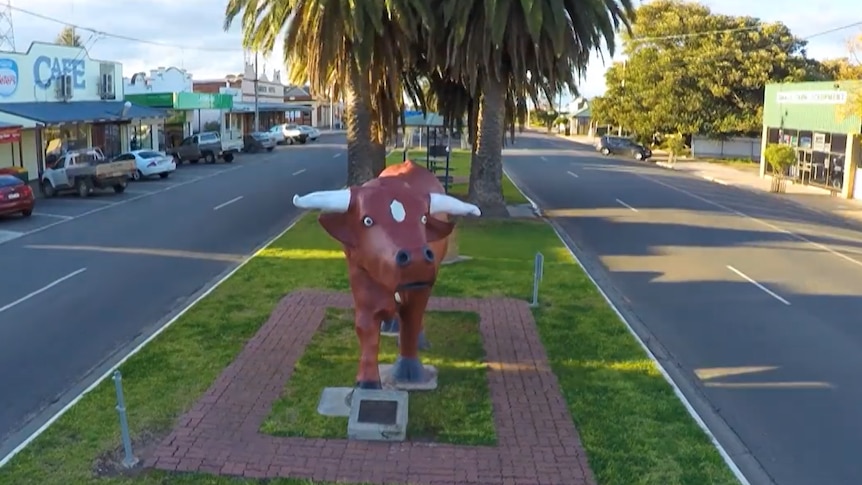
<point x="336" y="155"/>
<point x="298" y="172"/>
<point x="55" y="216"/>
<point x="728" y="460"/>
<point x="225" y="204"/>
<point x="723" y="207"/>
<point x="626" y="205"/>
<point x="572" y="174"/>
<point x="9" y="235"/>
<point x="156" y="333"/>
<point x="41" y="290"/>
<point x="545" y="159"/>
<point x="107" y="205"/>
<point x="139" y="192"/>
<point x="755" y="283"/>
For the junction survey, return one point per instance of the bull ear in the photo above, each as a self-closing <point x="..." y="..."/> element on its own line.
<point x="435" y="229"/>
<point x="338" y="226"/>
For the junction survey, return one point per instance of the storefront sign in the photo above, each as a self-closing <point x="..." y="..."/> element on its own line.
<point x="10" y="135"/>
<point x="812" y="97"/>
<point x="8" y="77"/>
<point x="46" y="69"/>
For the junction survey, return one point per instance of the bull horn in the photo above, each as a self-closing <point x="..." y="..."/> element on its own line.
<point x="442" y="203"/>
<point x="324" y="200"/>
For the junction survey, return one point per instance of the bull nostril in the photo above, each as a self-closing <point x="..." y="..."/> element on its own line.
<point x="402" y="258"/>
<point x="429" y="254"/>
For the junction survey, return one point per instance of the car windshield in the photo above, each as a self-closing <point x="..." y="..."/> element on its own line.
<point x="291" y="127"/>
<point x="9" y="181"/>
<point x="275" y="128"/>
<point x="149" y="154"/>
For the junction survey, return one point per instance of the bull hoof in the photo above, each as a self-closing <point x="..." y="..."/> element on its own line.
<point x="409" y="370"/>
<point x="389" y="327"/>
<point x="368" y="385"/>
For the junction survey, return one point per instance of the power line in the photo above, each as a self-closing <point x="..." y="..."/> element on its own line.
<point x="836" y="29"/>
<point x="120" y="36"/>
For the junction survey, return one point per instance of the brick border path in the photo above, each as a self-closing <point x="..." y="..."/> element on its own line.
<point x="537" y="441"/>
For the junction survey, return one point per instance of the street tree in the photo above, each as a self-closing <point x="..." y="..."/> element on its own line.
<point x="358" y="50"/>
<point x="689" y="70"/>
<point x="504" y="51"/>
<point x="68" y="36"/>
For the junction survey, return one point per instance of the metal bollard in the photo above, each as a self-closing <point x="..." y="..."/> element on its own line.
<point x="129" y="460"/>
<point x="538" y="272"/>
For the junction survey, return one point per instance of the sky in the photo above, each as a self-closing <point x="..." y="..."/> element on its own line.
<point x="191" y="35"/>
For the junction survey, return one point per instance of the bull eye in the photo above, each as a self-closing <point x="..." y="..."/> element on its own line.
<point x="367" y="221"/>
<point x="424" y="219"/>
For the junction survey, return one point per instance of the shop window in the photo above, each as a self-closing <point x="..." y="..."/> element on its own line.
<point x="60" y="139"/>
<point x="773" y="135"/>
<point x="805" y="139"/>
<point x="838" y="143"/>
<point x="789" y="137"/>
<point x="140" y="137"/>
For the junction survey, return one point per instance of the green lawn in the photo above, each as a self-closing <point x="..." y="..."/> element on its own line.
<point x="634" y="429"/>
<point x="737" y="163"/>
<point x="459" y="168"/>
<point x="457" y="412"/>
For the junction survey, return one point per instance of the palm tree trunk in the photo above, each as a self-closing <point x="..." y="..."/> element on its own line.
<point x="358" y="119"/>
<point x="486" y="170"/>
<point x="378" y="148"/>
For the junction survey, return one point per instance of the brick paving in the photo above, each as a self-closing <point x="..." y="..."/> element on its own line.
<point x="536" y="440"/>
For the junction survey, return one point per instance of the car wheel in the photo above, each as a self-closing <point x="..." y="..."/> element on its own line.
<point x="289" y="141"/>
<point x="27" y="213"/>
<point x="82" y="186"/>
<point x="178" y="160"/>
<point x="210" y="158"/>
<point x="164" y="175"/>
<point x="228" y="158"/>
<point x="639" y="156"/>
<point x="270" y="149"/>
<point x="48" y="189"/>
<point x="137" y="175"/>
<point x="605" y="151"/>
<point x="194" y="161"/>
<point x="119" y="188"/>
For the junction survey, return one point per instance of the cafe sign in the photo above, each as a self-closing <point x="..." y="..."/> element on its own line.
<point x="812" y="97"/>
<point x="10" y="135"/>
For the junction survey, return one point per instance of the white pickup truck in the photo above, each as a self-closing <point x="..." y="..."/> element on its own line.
<point x="83" y="171"/>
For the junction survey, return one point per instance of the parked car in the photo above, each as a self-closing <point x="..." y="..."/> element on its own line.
<point x="207" y="145"/>
<point x="277" y="133"/>
<point x="84" y="171"/>
<point x="293" y="134"/>
<point x="310" y="132"/>
<point x="617" y="145"/>
<point x="257" y="141"/>
<point x="149" y="163"/>
<point x="16" y="197"/>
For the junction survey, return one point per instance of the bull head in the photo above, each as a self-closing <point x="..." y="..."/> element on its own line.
<point x="389" y="229"/>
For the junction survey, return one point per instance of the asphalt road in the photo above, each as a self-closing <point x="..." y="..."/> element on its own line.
<point x="753" y="301"/>
<point x="83" y="279"/>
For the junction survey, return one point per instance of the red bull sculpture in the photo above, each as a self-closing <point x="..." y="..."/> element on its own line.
<point x="394" y="230"/>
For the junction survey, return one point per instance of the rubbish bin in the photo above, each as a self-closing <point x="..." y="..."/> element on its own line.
<point x="568" y="130"/>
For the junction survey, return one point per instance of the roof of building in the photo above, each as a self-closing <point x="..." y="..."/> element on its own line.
<point x="3" y="124"/>
<point x="79" y="111"/>
<point x="581" y="113"/>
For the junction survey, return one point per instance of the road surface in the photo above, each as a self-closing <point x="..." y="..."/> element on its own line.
<point x="83" y="279"/>
<point x="753" y="300"/>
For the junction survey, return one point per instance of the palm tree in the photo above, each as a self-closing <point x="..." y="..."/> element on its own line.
<point x="503" y="51"/>
<point x="355" y="49"/>
<point x="69" y="37"/>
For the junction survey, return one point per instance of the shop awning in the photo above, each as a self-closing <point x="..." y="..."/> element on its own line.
<point x="9" y="133"/>
<point x="53" y="113"/>
<point x="268" y="107"/>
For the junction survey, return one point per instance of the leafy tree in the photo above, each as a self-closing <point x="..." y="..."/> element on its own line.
<point x="359" y="50"/>
<point x="506" y="50"/>
<point x="689" y="70"/>
<point x="69" y="37"/>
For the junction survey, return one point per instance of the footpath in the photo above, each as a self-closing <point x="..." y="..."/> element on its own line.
<point x="812" y="198"/>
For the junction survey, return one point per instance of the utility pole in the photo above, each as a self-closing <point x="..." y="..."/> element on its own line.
<point x="331" y="109"/>
<point x="256" y="101"/>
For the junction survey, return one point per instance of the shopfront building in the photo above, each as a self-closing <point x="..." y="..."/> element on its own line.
<point x="816" y="120"/>
<point x="62" y="100"/>
<point x="172" y="90"/>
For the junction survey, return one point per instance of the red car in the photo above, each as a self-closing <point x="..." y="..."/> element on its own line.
<point x="16" y="197"/>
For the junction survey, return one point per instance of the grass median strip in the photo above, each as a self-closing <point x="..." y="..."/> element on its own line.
<point x="634" y="429"/>
<point x="458" y="412"/>
<point x="459" y="170"/>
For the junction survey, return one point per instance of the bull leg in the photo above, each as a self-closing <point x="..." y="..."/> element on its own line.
<point x="368" y="332"/>
<point x="408" y="368"/>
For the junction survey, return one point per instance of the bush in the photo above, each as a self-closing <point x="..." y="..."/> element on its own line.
<point x="675" y="144"/>
<point x="779" y="157"/>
